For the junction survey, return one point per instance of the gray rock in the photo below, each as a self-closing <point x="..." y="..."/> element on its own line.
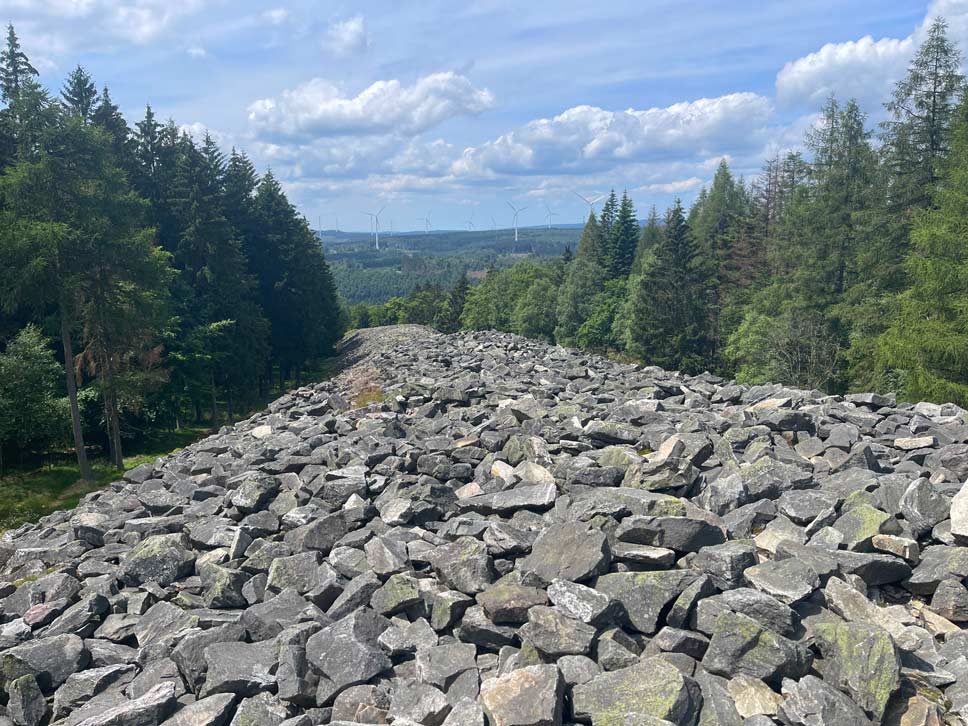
<point x="555" y="634"/>
<point x="644" y="595"/>
<point x="739" y="644"/>
<point x="162" y="559"/>
<point x="25" y="703"/>
<point x="240" y="668"/>
<point x="861" y="660"/>
<point x="531" y="696"/>
<point x="569" y="551"/>
<point x="212" y="711"/>
<point x="653" y="687"/>
<point x="347" y="652"/>
<point x="811" y="702"/>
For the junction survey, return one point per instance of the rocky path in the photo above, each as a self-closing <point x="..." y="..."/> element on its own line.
<point x="513" y="534"/>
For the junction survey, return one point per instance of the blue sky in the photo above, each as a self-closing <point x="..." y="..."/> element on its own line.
<point x="455" y="108"/>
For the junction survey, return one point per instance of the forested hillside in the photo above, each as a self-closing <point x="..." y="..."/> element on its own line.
<point x="409" y="260"/>
<point x="841" y="267"/>
<point x="177" y="283"/>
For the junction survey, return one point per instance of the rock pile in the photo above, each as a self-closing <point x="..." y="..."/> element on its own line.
<point x="519" y="535"/>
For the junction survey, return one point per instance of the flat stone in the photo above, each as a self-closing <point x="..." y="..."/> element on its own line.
<point x="531" y="696"/>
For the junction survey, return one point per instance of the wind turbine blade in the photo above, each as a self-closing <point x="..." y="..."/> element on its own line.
<point x="597" y="199"/>
<point x="512" y="206"/>
<point x="580" y="197"/>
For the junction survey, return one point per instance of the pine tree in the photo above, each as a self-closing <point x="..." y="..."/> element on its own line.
<point x="668" y="325"/>
<point x="79" y="94"/>
<point x="15" y="68"/>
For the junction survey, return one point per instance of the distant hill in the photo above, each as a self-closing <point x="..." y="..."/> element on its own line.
<point x="408" y="259"/>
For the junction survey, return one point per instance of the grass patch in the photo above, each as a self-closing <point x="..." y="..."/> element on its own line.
<point x="373" y="394"/>
<point x="29" y="495"/>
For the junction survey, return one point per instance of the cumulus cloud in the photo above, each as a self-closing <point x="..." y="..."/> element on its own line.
<point x="586" y="138"/>
<point x="347" y="37"/>
<point x="197" y="51"/>
<point x="319" y="108"/>
<point x="865" y="69"/>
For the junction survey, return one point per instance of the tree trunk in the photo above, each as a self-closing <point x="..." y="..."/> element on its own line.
<point x="214" y="402"/>
<point x="82" y="464"/>
<point x="114" y="431"/>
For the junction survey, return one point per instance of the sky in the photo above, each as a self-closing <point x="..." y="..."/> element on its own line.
<point x="453" y="110"/>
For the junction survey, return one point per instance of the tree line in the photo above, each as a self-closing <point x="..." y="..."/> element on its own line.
<point x="843" y="266"/>
<point x="179" y="284"/>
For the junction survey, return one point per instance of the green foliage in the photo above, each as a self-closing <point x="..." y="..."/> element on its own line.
<point x="33" y="412"/>
<point x="926" y="344"/>
<point x="179" y="280"/>
<point x="584" y="279"/>
<point x="668" y="316"/>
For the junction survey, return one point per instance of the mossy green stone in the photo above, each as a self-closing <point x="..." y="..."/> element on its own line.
<point x="653" y="687"/>
<point x="862" y="660"/>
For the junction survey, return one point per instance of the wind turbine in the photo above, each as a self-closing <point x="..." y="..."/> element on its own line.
<point x="550" y="214"/>
<point x="470" y="222"/>
<point x="375" y="216"/>
<point x="515" y="218"/>
<point x="426" y="221"/>
<point x="493" y="223"/>
<point x="589" y="202"/>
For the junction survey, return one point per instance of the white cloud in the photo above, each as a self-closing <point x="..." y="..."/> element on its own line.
<point x="586" y="138"/>
<point x="197" y="51"/>
<point x="347" y="37"/>
<point x="673" y="187"/>
<point x="137" y="21"/>
<point x="276" y="16"/>
<point x="318" y="108"/>
<point x="864" y="69"/>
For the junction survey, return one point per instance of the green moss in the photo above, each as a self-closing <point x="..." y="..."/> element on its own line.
<point x="34" y="578"/>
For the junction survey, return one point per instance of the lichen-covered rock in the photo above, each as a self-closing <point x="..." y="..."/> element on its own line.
<point x="861" y="660"/>
<point x="653" y="687"/>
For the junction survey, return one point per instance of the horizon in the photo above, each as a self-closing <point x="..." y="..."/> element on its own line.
<point x="422" y="110"/>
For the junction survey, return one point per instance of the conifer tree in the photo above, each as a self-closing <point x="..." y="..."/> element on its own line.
<point x="79" y="94"/>
<point x="650" y="237"/>
<point x="668" y="325"/>
<point x="591" y="244"/>
<point x="917" y="136"/>
<point x="925" y="349"/>
<point x="583" y="280"/>
<point x="15" y="68"/>
<point x="623" y="239"/>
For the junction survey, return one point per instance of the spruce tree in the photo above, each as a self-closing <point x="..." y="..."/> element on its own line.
<point x="584" y="279"/>
<point x="925" y="349"/>
<point x="622" y="239"/>
<point x="668" y="323"/>
<point x="916" y="138"/>
<point x="79" y="94"/>
<point x="591" y="244"/>
<point x="650" y="237"/>
<point x="15" y="68"/>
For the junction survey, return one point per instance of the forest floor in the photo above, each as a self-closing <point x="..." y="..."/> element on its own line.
<point x="28" y="495"/>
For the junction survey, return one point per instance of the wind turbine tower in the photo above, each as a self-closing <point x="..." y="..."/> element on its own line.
<point x="550" y="214"/>
<point x="375" y="216"/>
<point x="515" y="218"/>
